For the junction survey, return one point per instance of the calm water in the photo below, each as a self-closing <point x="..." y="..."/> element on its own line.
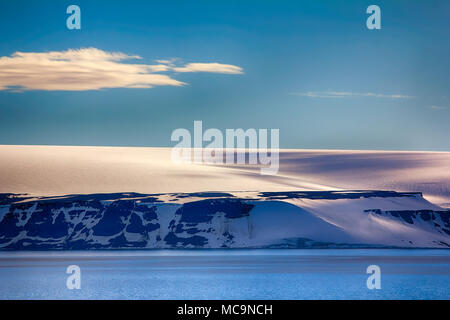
<point x="222" y="274"/>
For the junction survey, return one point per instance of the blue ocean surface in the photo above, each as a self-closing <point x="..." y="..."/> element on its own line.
<point x="227" y="274"/>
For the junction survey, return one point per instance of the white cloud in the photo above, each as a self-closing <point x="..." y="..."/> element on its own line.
<point x="92" y="69"/>
<point x="209" y="67"/>
<point x="336" y="94"/>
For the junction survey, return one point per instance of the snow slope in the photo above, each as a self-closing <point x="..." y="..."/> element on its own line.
<point x="52" y="170"/>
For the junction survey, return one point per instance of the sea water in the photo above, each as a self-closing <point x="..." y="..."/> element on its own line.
<point x="227" y="274"/>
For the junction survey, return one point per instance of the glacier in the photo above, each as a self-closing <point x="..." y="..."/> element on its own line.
<point x="294" y="219"/>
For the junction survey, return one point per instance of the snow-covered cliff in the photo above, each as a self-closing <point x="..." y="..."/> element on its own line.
<point x="217" y="220"/>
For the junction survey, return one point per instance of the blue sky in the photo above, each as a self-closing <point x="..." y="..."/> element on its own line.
<point x="309" y="68"/>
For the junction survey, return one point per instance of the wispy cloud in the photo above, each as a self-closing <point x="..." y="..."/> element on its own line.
<point x="209" y="67"/>
<point x="340" y="94"/>
<point x="438" y="107"/>
<point x="93" y="69"/>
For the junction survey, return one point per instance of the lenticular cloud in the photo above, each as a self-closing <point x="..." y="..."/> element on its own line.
<point x="91" y="69"/>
